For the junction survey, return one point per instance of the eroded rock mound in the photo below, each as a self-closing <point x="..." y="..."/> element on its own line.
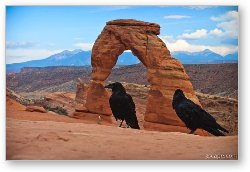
<point x="80" y="89"/>
<point x="165" y="74"/>
<point x="12" y="101"/>
<point x="36" y="109"/>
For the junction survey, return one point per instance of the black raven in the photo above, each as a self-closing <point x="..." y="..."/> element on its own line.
<point x="194" y="116"/>
<point x="122" y="105"/>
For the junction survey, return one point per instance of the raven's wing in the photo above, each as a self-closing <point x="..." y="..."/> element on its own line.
<point x="130" y="102"/>
<point x="204" y="116"/>
<point x="188" y="112"/>
<point x="130" y="116"/>
<point x="116" y="103"/>
<point x="209" y="122"/>
<point x="196" y="117"/>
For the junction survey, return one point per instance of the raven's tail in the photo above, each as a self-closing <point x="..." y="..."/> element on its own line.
<point x="134" y="124"/>
<point x="215" y="132"/>
<point x="132" y="121"/>
<point x="135" y="127"/>
<point x="222" y="129"/>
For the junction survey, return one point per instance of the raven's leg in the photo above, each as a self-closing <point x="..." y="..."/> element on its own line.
<point x="127" y="124"/>
<point x="121" y="123"/>
<point x="192" y="132"/>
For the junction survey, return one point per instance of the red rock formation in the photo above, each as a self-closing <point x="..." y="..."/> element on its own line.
<point x="36" y="109"/>
<point x="165" y="73"/>
<point x="12" y="104"/>
<point x="79" y="91"/>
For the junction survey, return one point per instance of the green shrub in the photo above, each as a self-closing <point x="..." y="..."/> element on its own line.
<point x="59" y="110"/>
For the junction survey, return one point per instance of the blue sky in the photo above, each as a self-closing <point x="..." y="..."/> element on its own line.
<point x="35" y="32"/>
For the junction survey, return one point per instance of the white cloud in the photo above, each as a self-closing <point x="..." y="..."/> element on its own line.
<point x="128" y="51"/>
<point x="183" y="45"/>
<point x="227" y="27"/>
<point x="84" y="46"/>
<point x="78" y="38"/>
<point x="230" y="15"/>
<point x="111" y="8"/>
<point x="230" y="28"/>
<point x="176" y="17"/>
<point x="187" y="30"/>
<point x="51" y="44"/>
<point x="168" y="38"/>
<point x="201" y="7"/>
<point x="216" y="32"/>
<point x="228" y="23"/>
<point x="21" y="54"/>
<point x="115" y="8"/>
<point x="200" y="33"/>
<point x="23" y="44"/>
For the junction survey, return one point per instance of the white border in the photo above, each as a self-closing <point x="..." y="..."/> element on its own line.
<point x="193" y="166"/>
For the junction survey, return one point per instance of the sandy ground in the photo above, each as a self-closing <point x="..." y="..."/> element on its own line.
<point x="33" y="135"/>
<point x="49" y="136"/>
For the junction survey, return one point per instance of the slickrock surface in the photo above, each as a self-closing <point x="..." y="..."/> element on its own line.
<point x="35" y="135"/>
<point x="61" y="140"/>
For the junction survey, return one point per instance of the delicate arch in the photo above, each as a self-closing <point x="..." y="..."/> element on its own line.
<point x="165" y="74"/>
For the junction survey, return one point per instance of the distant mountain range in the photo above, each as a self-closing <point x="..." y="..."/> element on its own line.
<point x="83" y="58"/>
<point x="204" y="57"/>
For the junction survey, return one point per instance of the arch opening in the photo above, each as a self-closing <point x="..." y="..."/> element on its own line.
<point x="134" y="82"/>
<point x="126" y="58"/>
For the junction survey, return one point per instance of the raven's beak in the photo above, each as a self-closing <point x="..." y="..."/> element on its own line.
<point x="109" y="86"/>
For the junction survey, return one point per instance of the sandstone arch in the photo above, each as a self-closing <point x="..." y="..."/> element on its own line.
<point x="164" y="72"/>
